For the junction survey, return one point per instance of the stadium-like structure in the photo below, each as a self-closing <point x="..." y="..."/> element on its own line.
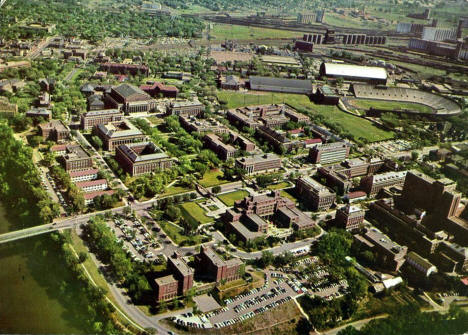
<point x="441" y="106"/>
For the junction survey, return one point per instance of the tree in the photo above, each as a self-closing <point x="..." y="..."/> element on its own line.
<point x="216" y="189"/>
<point x="97" y="142"/>
<point x="82" y="256"/>
<point x="266" y="259"/>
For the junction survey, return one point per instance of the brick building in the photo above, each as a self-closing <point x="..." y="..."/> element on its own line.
<point x="96" y="117"/>
<point x="259" y="163"/>
<point x="373" y="184"/>
<point x="40" y="112"/>
<point x="329" y="153"/>
<point x="215" y="268"/>
<point x="55" y="130"/>
<point x="118" y="133"/>
<point x="224" y="151"/>
<point x="389" y="254"/>
<point x="130" y="99"/>
<point x="186" y="108"/>
<point x="157" y="89"/>
<point x="142" y="157"/>
<point x="76" y="158"/>
<point x="192" y="124"/>
<point x="118" y="68"/>
<point x="349" y="217"/>
<point x="182" y="272"/>
<point x="317" y="196"/>
<point x="167" y="288"/>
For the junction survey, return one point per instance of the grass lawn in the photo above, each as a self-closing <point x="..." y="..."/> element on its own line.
<point x="229" y="31"/>
<point x="176" y="234"/>
<point x="212" y="178"/>
<point x="288" y="194"/>
<point x="155" y="120"/>
<point x="192" y="211"/>
<point x="174" y="189"/>
<point x="390" y="105"/>
<point x="229" y="198"/>
<point x="356" y="126"/>
<point x="279" y="186"/>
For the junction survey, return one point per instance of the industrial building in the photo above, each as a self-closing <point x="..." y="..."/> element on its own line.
<point x="271" y="84"/>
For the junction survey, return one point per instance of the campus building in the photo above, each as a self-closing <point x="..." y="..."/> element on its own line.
<point x="369" y="74"/>
<point x="329" y="153"/>
<point x="373" y="184"/>
<point x="130" y="99"/>
<point x="167" y="288"/>
<point x="224" y="151"/>
<point x="55" y="130"/>
<point x="192" y="124"/>
<point x="118" y="68"/>
<point x="315" y="195"/>
<point x="157" y="89"/>
<point x="283" y="85"/>
<point x="266" y="115"/>
<point x="118" y="133"/>
<point x="83" y="175"/>
<point x="212" y="266"/>
<point x="259" y="163"/>
<point x="349" y="217"/>
<point x="186" y="108"/>
<point x="40" y="112"/>
<point x="182" y="272"/>
<point x="90" y="196"/>
<point x="96" y="117"/>
<point x="142" y="157"/>
<point x="390" y="255"/>
<point x="92" y="185"/>
<point x="76" y="158"/>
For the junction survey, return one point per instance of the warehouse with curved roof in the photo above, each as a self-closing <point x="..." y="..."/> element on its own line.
<point x="370" y="74"/>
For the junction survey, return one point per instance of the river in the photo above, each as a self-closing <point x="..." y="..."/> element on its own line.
<point x="35" y="288"/>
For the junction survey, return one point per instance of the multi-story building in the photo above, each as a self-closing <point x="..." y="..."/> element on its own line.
<point x="259" y="163"/>
<point x="130" y="99"/>
<point x="40" y="112"/>
<point x="244" y="143"/>
<point x="92" y="185"/>
<point x="335" y="179"/>
<point x="317" y="196"/>
<point x="76" y="158"/>
<point x="89" y="197"/>
<point x="157" y="89"/>
<point x="224" y="151"/>
<point x="349" y="217"/>
<point x="167" y="288"/>
<point x="306" y="18"/>
<point x="215" y="268"/>
<point x="142" y="157"/>
<point x="373" y="184"/>
<point x="182" y="272"/>
<point x="118" y="133"/>
<point x="420" y="264"/>
<point x="389" y="254"/>
<point x="96" y="117"/>
<point x="55" y="130"/>
<point x="454" y="257"/>
<point x="118" y="68"/>
<point x="329" y="153"/>
<point x="186" y="108"/>
<point x="192" y="124"/>
<point x="293" y="218"/>
<point x="84" y="175"/>
<point x="267" y="115"/>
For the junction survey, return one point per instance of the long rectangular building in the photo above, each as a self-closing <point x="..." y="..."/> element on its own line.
<point x="118" y="133"/>
<point x="329" y="152"/>
<point x="259" y="163"/>
<point x="316" y="195"/>
<point x="216" y="268"/>
<point x="96" y="117"/>
<point x="140" y="158"/>
<point x="298" y="86"/>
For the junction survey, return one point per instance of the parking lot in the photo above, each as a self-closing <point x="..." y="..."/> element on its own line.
<point x="138" y="242"/>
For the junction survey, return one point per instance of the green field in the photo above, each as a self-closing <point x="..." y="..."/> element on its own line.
<point x="175" y="233"/>
<point x="192" y="211"/>
<point x="175" y="189"/>
<point x="390" y="105"/>
<point x="229" y="198"/>
<point x="279" y="186"/>
<point x="212" y="178"/>
<point x="356" y="126"/>
<point x="229" y="31"/>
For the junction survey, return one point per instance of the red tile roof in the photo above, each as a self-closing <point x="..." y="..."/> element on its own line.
<point x="296" y="131"/>
<point x="83" y="173"/>
<point x="95" y="194"/>
<point x="313" y="141"/>
<point x="88" y="183"/>
<point x="357" y="194"/>
<point x="58" y="147"/>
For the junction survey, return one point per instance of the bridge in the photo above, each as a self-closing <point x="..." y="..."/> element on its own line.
<point x="65" y="224"/>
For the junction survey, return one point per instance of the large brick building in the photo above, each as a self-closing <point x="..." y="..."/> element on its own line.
<point x="317" y="196"/>
<point x="186" y="108"/>
<point x="75" y="158"/>
<point x="118" y="133"/>
<point x="329" y="153"/>
<point x="215" y="268"/>
<point x="259" y="163"/>
<point x="223" y="150"/>
<point x="373" y="184"/>
<point x="157" y="89"/>
<point x="55" y="130"/>
<point x="118" y="68"/>
<point x="349" y="217"/>
<point x="177" y="283"/>
<point x="142" y="157"/>
<point x="130" y="99"/>
<point x="96" y="117"/>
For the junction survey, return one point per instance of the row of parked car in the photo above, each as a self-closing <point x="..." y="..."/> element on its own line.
<point x="259" y="299"/>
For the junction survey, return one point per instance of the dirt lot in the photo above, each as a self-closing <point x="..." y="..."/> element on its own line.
<point x="224" y="56"/>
